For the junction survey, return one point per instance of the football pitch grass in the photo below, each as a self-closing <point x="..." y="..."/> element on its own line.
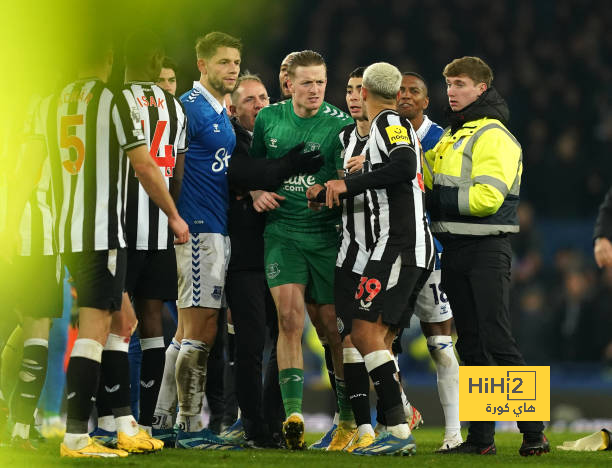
<point x="428" y="440"/>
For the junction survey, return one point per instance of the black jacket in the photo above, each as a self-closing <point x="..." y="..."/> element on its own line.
<point x="603" y="225"/>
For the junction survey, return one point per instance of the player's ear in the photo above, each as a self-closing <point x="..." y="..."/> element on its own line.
<point x="232" y="110"/>
<point x="202" y="66"/>
<point x="364" y="93"/>
<point x="426" y="103"/>
<point x="289" y="84"/>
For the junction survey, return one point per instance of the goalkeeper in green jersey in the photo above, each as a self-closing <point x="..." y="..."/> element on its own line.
<point x="300" y="244"/>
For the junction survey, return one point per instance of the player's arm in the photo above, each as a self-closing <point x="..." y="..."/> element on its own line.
<point x="177" y="177"/>
<point x="153" y="182"/>
<point x="126" y="119"/>
<point x="602" y="248"/>
<point x="401" y="167"/>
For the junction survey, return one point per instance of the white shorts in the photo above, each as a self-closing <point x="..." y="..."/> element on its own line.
<point x="432" y="305"/>
<point x="201" y="265"/>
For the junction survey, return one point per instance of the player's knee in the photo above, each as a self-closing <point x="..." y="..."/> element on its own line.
<point x="289" y="324"/>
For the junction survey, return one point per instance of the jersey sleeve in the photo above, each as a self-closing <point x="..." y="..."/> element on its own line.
<point x="394" y="133"/>
<point x="258" y="147"/>
<point x="182" y="141"/>
<point x="126" y="119"/>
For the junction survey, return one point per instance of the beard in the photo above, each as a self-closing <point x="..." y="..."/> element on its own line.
<point x="218" y="85"/>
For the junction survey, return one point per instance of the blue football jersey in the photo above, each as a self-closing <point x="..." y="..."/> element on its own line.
<point x="430" y="133"/>
<point x="204" y="197"/>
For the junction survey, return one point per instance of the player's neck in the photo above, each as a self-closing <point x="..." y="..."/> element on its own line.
<point x="135" y="75"/>
<point x="417" y="121"/>
<point x="375" y="107"/>
<point x="219" y="97"/>
<point x="93" y="72"/>
<point x="363" y="127"/>
<point x="304" y="113"/>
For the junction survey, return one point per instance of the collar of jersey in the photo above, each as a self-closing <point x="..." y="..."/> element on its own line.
<point x="209" y="97"/>
<point x="296" y="118"/>
<point x="424" y="128"/>
<point x="140" y="82"/>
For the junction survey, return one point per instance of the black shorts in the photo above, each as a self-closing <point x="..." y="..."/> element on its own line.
<point x="151" y="274"/>
<point x="345" y="283"/>
<point x="37" y="286"/>
<point x="99" y="277"/>
<point x="389" y="290"/>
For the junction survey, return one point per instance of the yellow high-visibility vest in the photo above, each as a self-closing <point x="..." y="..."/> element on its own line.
<point x="483" y="160"/>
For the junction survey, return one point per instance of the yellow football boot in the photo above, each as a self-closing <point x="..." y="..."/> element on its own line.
<point x="142" y="442"/>
<point x="344" y="435"/>
<point x="363" y="441"/>
<point x="92" y="450"/>
<point x="293" y="432"/>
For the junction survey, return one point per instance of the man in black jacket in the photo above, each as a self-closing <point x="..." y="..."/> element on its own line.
<point x="251" y="305"/>
<point x="603" y="233"/>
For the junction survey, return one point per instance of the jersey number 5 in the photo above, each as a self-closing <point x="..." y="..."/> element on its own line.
<point x="72" y="165"/>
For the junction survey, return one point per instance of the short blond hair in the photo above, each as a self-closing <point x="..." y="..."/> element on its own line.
<point x="382" y="79"/>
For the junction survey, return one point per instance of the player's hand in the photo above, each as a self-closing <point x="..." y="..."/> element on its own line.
<point x="266" y="201"/>
<point x="304" y="163"/>
<point x="179" y="228"/>
<point x="313" y="191"/>
<point x="603" y="252"/>
<point x="355" y="163"/>
<point x="334" y="189"/>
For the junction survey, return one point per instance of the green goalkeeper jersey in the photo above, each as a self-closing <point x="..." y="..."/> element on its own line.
<point x="277" y="130"/>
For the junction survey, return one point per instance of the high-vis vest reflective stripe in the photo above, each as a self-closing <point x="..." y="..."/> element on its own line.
<point x="487" y="204"/>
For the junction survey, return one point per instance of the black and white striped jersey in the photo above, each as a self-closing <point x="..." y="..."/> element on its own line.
<point x="86" y="126"/>
<point x="356" y="233"/>
<point x="164" y="125"/>
<point x="395" y="193"/>
<point x="36" y="223"/>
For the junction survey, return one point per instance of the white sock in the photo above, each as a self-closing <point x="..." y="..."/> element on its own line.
<point x="336" y="419"/>
<point x="167" y="400"/>
<point x="191" y="368"/>
<point x="147" y="429"/>
<point x="107" y="423"/>
<point x="76" y="441"/>
<point x="21" y="430"/>
<point x="447" y="367"/>
<point x="127" y="425"/>
<point x="190" y="423"/>
<point x="365" y="429"/>
<point x="401" y="430"/>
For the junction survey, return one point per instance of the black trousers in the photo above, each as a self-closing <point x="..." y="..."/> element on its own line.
<point x="476" y="279"/>
<point x="253" y="311"/>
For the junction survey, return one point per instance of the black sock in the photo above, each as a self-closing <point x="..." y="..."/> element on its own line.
<point x="329" y="363"/>
<point x="82" y="380"/>
<point x="116" y="381"/>
<point x="151" y="374"/>
<point x="388" y="390"/>
<point x="358" y="387"/>
<point x="32" y="375"/>
<point x="380" y="414"/>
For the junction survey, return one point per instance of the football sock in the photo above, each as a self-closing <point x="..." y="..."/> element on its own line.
<point x="81" y="385"/>
<point x="345" y="414"/>
<point x="107" y="423"/>
<point x="292" y="387"/>
<point x="116" y="374"/>
<point x="382" y="370"/>
<point x="447" y="368"/>
<point x="358" y="385"/>
<point x="165" y="407"/>
<point x="151" y="373"/>
<point x="31" y="378"/>
<point x="190" y="382"/>
<point x="329" y="365"/>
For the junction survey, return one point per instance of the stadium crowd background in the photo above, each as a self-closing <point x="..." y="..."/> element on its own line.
<point x="552" y="65"/>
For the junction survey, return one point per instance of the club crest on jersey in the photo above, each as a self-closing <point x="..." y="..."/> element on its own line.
<point x="397" y="134"/>
<point x="216" y="128"/>
<point x="273" y="142"/>
<point x="272" y="270"/>
<point x="216" y="293"/>
<point x="311" y="146"/>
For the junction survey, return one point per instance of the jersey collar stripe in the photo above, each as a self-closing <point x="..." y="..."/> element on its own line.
<point x="209" y="97"/>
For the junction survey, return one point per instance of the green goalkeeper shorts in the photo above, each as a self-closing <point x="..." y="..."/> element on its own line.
<point x="302" y="258"/>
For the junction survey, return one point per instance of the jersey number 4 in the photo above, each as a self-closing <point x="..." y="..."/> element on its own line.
<point x="166" y="161"/>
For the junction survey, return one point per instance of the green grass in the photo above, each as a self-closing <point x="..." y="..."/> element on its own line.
<point x="427" y="439"/>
